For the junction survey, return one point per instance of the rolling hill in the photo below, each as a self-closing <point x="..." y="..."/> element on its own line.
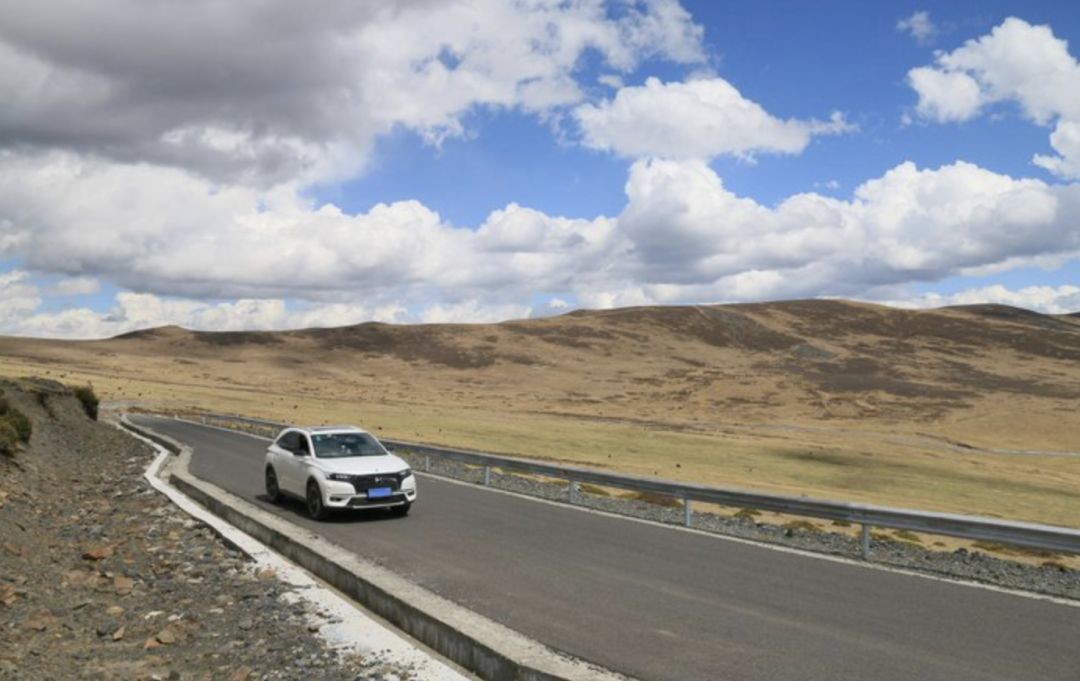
<point x="791" y="386"/>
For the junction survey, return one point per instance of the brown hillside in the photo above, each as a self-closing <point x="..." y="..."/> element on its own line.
<point x="755" y="380"/>
<point x="802" y="361"/>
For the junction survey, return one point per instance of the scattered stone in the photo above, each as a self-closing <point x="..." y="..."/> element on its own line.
<point x="97" y="553"/>
<point x="241" y="673"/>
<point x="166" y="636"/>
<point x="39" y="623"/>
<point x="67" y="565"/>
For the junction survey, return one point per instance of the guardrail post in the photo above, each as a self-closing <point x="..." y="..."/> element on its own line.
<point x="865" y="541"/>
<point x="487" y="476"/>
<point x="687" y="512"/>
<point x="573" y="491"/>
<point x="427" y="463"/>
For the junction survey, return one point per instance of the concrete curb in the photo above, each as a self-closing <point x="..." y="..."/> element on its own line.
<point x="482" y="646"/>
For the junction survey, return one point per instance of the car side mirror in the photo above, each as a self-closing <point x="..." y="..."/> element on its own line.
<point x="390" y="448"/>
<point x="299" y="452"/>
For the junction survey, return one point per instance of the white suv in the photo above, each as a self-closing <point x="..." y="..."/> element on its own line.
<point x="335" y="467"/>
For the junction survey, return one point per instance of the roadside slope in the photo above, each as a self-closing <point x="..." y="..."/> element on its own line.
<point x="102" y="578"/>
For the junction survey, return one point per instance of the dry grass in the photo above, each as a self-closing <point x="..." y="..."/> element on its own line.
<point x="828" y="400"/>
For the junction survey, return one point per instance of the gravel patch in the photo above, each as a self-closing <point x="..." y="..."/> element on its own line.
<point x="101" y="577"/>
<point x="885" y="549"/>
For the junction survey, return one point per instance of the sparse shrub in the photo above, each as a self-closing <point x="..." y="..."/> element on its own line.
<point x="747" y="513"/>
<point x="1056" y="565"/>
<point x="89" y="400"/>
<point x="657" y="499"/>
<point x="908" y="536"/>
<point x="20" y="423"/>
<point x="994" y="547"/>
<point x="14" y="428"/>
<point x="594" y="490"/>
<point x="9" y="439"/>
<point x="841" y="523"/>
<point x="804" y="525"/>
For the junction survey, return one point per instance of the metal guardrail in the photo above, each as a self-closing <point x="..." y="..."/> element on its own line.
<point x="1028" y="535"/>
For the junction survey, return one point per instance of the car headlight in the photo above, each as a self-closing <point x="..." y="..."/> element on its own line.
<point x="405" y="473"/>
<point x="340" y="477"/>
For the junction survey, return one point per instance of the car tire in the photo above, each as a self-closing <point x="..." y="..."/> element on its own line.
<point x="273" y="490"/>
<point x="316" y="509"/>
<point x="401" y="511"/>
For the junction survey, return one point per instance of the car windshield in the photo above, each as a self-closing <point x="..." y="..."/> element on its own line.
<point x="338" y="445"/>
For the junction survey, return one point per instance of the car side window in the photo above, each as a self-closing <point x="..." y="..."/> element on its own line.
<point x="302" y="444"/>
<point x="289" y="441"/>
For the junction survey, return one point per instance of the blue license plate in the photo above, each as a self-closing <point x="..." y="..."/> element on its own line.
<point x="378" y="492"/>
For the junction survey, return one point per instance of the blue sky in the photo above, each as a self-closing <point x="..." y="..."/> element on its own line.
<point x="475" y="162"/>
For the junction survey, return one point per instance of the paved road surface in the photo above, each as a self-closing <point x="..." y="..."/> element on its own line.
<point x="657" y="603"/>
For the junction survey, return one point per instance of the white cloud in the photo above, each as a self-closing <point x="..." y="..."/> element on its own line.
<point x="1066" y="141"/>
<point x="271" y="92"/>
<point x="1046" y="299"/>
<point x="681" y="237"/>
<point x="180" y="236"/>
<point x="473" y="311"/>
<point x="692" y="239"/>
<point x="694" y="119"/>
<point x="75" y="286"/>
<point x="18" y="298"/>
<point x="919" y="26"/>
<point x="1015" y="62"/>
<point x="945" y="96"/>
<point x="21" y="314"/>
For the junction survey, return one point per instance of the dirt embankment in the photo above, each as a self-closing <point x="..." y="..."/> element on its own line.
<point x="102" y="578"/>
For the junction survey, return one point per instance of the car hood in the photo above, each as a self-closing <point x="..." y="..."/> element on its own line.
<point x="363" y="465"/>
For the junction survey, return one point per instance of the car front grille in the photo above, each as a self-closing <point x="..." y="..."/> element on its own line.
<point x="362" y="483"/>
<point x="358" y="502"/>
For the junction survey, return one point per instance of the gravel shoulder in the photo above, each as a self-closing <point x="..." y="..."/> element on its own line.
<point x="101" y="577"/>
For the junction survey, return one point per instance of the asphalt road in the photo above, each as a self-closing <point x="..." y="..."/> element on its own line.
<point x="657" y="603"/>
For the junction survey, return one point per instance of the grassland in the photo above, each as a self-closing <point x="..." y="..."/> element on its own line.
<point x="969" y="411"/>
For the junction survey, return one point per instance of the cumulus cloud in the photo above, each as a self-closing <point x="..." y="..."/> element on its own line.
<point x="919" y="26"/>
<point x="21" y="313"/>
<point x="175" y="168"/>
<point x="272" y="92"/>
<point x="692" y="239"/>
<point x="695" y="119"/>
<point x="75" y="286"/>
<point x="180" y="235"/>
<point x="1016" y="62"/>
<point x="1046" y="299"/>
<point x="682" y="236"/>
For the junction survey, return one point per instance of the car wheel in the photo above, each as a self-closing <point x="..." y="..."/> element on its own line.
<point x="401" y="511"/>
<point x="273" y="491"/>
<point x="315" y="507"/>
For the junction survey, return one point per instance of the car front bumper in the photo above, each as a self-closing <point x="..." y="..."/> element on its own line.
<point x="344" y="495"/>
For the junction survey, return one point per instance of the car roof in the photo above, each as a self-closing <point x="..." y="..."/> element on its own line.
<point x="314" y="430"/>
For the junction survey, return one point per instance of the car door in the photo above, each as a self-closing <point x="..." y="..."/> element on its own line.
<point x="301" y="457"/>
<point x="285" y="460"/>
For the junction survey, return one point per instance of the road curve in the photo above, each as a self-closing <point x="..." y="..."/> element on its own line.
<point x="660" y="604"/>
